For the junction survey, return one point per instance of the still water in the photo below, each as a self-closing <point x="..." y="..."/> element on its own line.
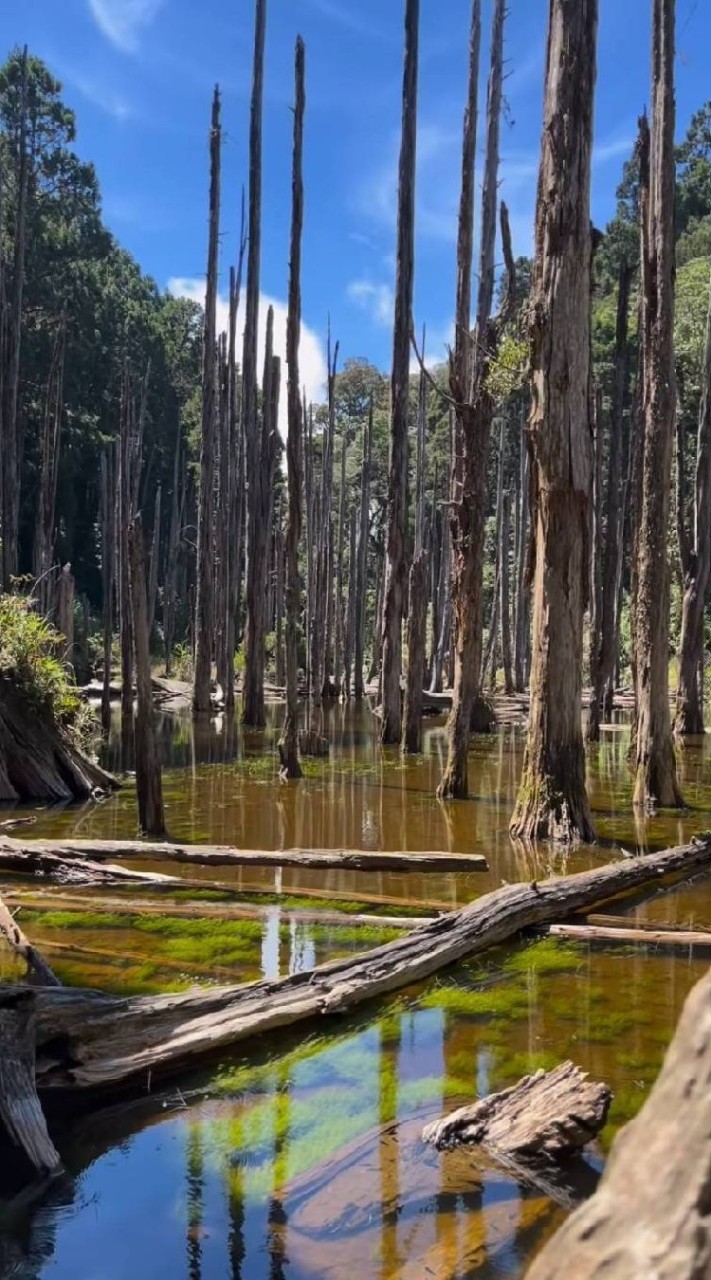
<point x="302" y="1159"/>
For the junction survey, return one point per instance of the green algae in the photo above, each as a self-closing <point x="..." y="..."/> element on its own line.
<point x="498" y="1001"/>
<point x="546" y="956"/>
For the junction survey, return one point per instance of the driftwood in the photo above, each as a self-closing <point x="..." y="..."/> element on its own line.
<point x="648" y="937"/>
<point x="216" y="856"/>
<point x="548" y="1116"/>
<point x="650" y="1215"/>
<point x="86" y="1039"/>
<point x="15" y="938"/>
<point x="20" y="1110"/>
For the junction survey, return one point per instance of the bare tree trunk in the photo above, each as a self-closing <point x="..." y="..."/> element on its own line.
<point x="44" y="533"/>
<point x="235" y="474"/>
<point x="604" y="656"/>
<point x="323" y="619"/>
<point x="309" y="500"/>
<point x="9" y="443"/>
<point x="108" y="556"/>
<point x="689" y="694"/>
<point x="124" y="517"/>
<point x="656" y="780"/>
<point x="396" y="547"/>
<point x="170" y="590"/>
<point x="362" y="568"/>
<point x="596" y="542"/>
<point x="418" y="592"/>
<point x="489" y="661"/>
<point x="521" y="625"/>
<point x="65" y="614"/>
<point x="260" y="531"/>
<point x="352" y="604"/>
<point x="552" y="800"/>
<point x="253" y="685"/>
<point x="505" y="593"/>
<point x="279" y="655"/>
<point x="155" y="564"/>
<point x="338" y="673"/>
<point x="148" y="770"/>
<point x="205" y="585"/>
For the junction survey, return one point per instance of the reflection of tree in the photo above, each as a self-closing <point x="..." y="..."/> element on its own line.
<point x="389" y="1066"/>
<point x="277" y="1221"/>
<point x="195" y="1198"/>
<point x="235" y="1208"/>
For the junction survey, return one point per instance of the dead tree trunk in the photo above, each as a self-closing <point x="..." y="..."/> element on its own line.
<point x="656" y="780"/>
<point x="552" y="800"/>
<point x="351" y="606"/>
<point x="170" y="589"/>
<point x="148" y="771"/>
<point x="65" y="614"/>
<point x="521" y="623"/>
<point x="505" y="593"/>
<point x="309" y="501"/>
<point x="362" y="568"/>
<point x="253" y="683"/>
<point x="155" y="563"/>
<point x="235" y="475"/>
<point x="396" y="547"/>
<point x="340" y="606"/>
<point x="124" y="517"/>
<point x="44" y="533"/>
<point x="689" y="694"/>
<point x="10" y="444"/>
<point x="604" y="658"/>
<point x="418" y="592"/>
<point x="596" y="541"/>
<point x="289" y="744"/>
<point x="108" y="572"/>
<point x="323" y="616"/>
<point x="205" y="584"/>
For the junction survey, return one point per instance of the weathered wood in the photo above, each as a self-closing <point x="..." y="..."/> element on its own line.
<point x="63" y="869"/>
<point x="547" y="1117"/>
<point x="362" y="568"/>
<point x="149" y="786"/>
<point x="99" y="1040"/>
<point x="38" y="761"/>
<point x="649" y="1216"/>
<point x="217" y="856"/>
<point x="108" y="574"/>
<point x="648" y="937"/>
<point x="49" y="470"/>
<point x="20" y="1110"/>
<point x="21" y="945"/>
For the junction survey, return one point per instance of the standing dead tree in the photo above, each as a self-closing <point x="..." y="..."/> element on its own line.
<point x="235" y="476"/>
<point x="108" y="572"/>
<point x="148" y="771"/>
<point x="604" y="658"/>
<point x="418" y="593"/>
<point x="44" y="532"/>
<point x="521" y="628"/>
<point x="289" y="743"/>
<point x="362" y="565"/>
<point x="689" y="694"/>
<point x="205" y="575"/>
<point x="396" y="554"/>
<point x="253" y="687"/>
<point x="552" y="800"/>
<point x="12" y="342"/>
<point x="170" y="587"/>
<point x="124" y="517"/>
<point x="323" y="546"/>
<point x="656" y="780"/>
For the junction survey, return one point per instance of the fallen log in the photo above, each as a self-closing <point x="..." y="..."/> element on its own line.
<point x="548" y="1116"/>
<point x="86" y="1039"/>
<point x="217" y="856"/>
<point x="633" y="922"/>
<point x="650" y="1214"/>
<point x="16" y="940"/>
<point x="20" y="1110"/>
<point x="648" y="937"/>
<point x="42" y="862"/>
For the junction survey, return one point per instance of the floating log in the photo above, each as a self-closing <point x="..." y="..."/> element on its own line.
<point x="86" y="1039"/>
<point x="633" y="922"/>
<point x="41" y="861"/>
<point x="646" y="937"/>
<point x="548" y="1116"/>
<point x="217" y="856"/>
<point x="15" y="938"/>
<point x="20" y="1110"/>
<point x="650" y="1214"/>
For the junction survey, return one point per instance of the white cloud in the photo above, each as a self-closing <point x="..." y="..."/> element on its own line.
<point x="613" y="148"/>
<point x="312" y="360"/>
<point x="122" y="21"/>
<point x="102" y="96"/>
<point x="377" y="299"/>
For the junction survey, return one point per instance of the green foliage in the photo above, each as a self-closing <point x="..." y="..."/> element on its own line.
<point x="507" y="374"/>
<point x="28" y="656"/>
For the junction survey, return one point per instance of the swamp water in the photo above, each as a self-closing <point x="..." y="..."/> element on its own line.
<point x="301" y="1158"/>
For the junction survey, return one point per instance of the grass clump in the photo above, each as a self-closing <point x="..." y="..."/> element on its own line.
<point x="29" y="645"/>
<point x="546" y="956"/>
<point x="495" y="1002"/>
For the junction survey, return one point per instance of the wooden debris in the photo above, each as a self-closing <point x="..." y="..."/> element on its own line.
<point x="20" y="1110"/>
<point x="648" y="937"/>
<point x="42" y="862"/>
<point x="217" y="856"/>
<point x="15" y="938"/>
<point x="650" y="1214"/>
<point x="548" y="1116"/>
<point x="86" y="1039"/>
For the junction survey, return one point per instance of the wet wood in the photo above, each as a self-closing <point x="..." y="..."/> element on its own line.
<point x="647" y="937"/>
<point x="548" y="1116"/>
<point x="43" y="863"/>
<point x="12" y="933"/>
<point x="86" y="1039"/>
<point x="221" y="856"/>
<point x="21" y="1114"/>
<point x="649" y="1216"/>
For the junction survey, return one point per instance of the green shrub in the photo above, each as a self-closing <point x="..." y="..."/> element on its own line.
<point x="29" y="645"/>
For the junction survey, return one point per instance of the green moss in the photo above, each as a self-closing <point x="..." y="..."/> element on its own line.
<point x="495" y="1002"/>
<point x="547" y="956"/>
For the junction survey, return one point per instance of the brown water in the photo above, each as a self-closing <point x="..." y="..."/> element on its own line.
<point x="303" y="1157"/>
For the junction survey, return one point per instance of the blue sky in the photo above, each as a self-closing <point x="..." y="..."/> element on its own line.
<point x="140" y="73"/>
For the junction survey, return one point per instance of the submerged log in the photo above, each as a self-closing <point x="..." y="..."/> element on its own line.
<point x="20" y="1110"/>
<point x="650" y="1214"/>
<point x="217" y="856"/>
<point x="16" y="940"/>
<point x="548" y="1116"/>
<point x="37" y="760"/>
<point x="86" y="1039"/>
<point x="648" y="937"/>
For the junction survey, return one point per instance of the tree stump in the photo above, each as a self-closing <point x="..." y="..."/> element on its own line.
<point x="20" y="1110"/>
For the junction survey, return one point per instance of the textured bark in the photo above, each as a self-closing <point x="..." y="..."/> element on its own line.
<point x="20" y="1111"/>
<point x="65" y="615"/>
<point x="418" y="592"/>
<point x="340" y="609"/>
<point x="650" y="1213"/>
<point x="646" y="936"/>
<point x="9" y="441"/>
<point x="155" y="562"/>
<point x="49" y="470"/>
<point x="521" y="643"/>
<point x="351" y="606"/>
<point x="253" y="684"/>
<point x="505" y="605"/>
<point x="597" y="428"/>
<point x="86" y="1039"/>
<point x="235" y="475"/>
<point x="253" y="712"/>
<point x="37" y="761"/>
<point x="362" y="568"/>
<point x="205" y="573"/>
<point x="310" y="513"/>
<point x="552" y="800"/>
<point x="289" y="744"/>
<point x="474" y="411"/>
<point x="656" y="780"/>
<point x="108" y="573"/>
<point x="170" y="589"/>
<point x="490" y="653"/>
<point x="123" y="521"/>
<point x="37" y="967"/>
<point x="604" y="658"/>
<point x="396" y="547"/>
<point x="323" y="549"/>
<point x="148" y="771"/>
<point x="689" y="694"/>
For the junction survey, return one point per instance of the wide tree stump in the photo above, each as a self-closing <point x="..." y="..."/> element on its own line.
<point x="20" y="1112"/>
<point x="548" y="1116"/>
<point x="37" y="759"/>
